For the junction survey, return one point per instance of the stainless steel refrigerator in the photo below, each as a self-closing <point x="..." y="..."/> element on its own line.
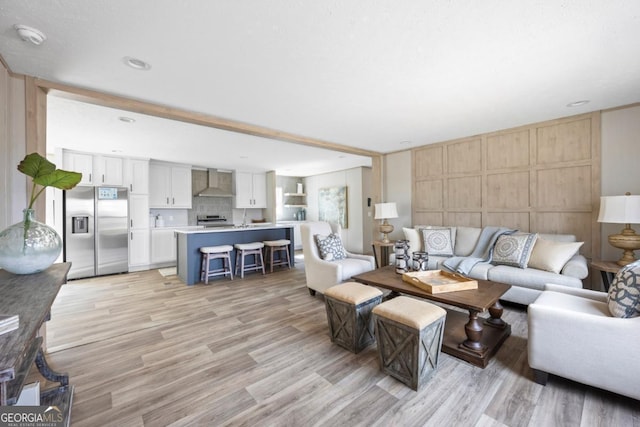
<point x="95" y="231"/>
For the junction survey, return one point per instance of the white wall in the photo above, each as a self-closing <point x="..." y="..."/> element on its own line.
<point x="353" y="237"/>
<point x="13" y="194"/>
<point x="620" y="165"/>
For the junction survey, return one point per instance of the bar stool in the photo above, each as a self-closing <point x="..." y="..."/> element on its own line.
<point x="247" y="249"/>
<point x="210" y="253"/>
<point x="277" y="246"/>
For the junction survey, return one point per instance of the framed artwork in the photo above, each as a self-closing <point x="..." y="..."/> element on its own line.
<point x="332" y="205"/>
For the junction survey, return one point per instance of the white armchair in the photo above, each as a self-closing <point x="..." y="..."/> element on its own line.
<point x="573" y="335"/>
<point x="323" y="274"/>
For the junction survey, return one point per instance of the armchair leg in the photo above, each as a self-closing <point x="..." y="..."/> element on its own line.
<point x="540" y="377"/>
<point x="312" y="292"/>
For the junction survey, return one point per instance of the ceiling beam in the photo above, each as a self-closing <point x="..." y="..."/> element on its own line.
<point x="143" y="107"/>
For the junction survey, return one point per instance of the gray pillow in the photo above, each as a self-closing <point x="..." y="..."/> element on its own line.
<point x="624" y="293"/>
<point x="330" y="247"/>
<point x="438" y="241"/>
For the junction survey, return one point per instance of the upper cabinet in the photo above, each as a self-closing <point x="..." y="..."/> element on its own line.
<point x="137" y="176"/>
<point x="251" y="190"/>
<point x="108" y="170"/>
<point x="169" y="186"/>
<point x="79" y="162"/>
<point x="95" y="169"/>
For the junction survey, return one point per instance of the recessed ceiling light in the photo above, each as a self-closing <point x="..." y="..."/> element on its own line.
<point x="31" y="35"/>
<point x="116" y="151"/>
<point x="342" y="156"/>
<point x="136" y="63"/>
<point x="244" y="157"/>
<point x="126" y="119"/>
<point x="578" y="103"/>
<point x="405" y="142"/>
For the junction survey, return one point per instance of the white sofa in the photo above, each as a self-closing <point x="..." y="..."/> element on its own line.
<point x="526" y="283"/>
<point x="323" y="274"/>
<point x="573" y="335"/>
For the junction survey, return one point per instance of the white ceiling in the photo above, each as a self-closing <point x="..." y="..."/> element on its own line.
<point x="373" y="74"/>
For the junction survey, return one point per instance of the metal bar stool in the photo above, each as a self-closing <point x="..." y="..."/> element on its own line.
<point x="277" y="246"/>
<point x="210" y="253"/>
<point x="244" y="250"/>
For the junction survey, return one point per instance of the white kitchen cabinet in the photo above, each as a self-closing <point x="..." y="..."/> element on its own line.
<point x="169" y="186"/>
<point x="138" y="211"/>
<point x="297" y="235"/>
<point x="139" y="239"/>
<point x="108" y="170"/>
<point x="163" y="247"/>
<point x="79" y="162"/>
<point x="138" y="249"/>
<point x="137" y="176"/>
<point x="251" y="190"/>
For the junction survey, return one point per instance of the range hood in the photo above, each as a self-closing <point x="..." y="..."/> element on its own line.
<point x="218" y="184"/>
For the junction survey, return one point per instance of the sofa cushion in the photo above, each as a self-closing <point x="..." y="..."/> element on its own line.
<point x="551" y="255"/>
<point x="330" y="247"/>
<point x="529" y="277"/>
<point x="353" y="266"/>
<point x="466" y="239"/>
<point x="624" y="293"/>
<point x="438" y="242"/>
<point x="513" y="249"/>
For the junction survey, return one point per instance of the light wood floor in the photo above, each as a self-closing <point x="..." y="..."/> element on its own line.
<point x="142" y="349"/>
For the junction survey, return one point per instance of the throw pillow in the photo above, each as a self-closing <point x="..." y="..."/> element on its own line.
<point x="330" y="247"/>
<point x="438" y="242"/>
<point x="551" y="256"/>
<point x="514" y="249"/>
<point x="624" y="293"/>
<point x="413" y="236"/>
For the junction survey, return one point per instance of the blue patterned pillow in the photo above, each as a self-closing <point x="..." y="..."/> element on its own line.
<point x="330" y="247"/>
<point x="514" y="249"/>
<point x="624" y="293"/>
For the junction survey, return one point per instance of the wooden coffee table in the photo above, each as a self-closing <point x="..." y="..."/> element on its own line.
<point x="468" y="337"/>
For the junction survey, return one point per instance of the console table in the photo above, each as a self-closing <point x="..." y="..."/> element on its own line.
<point x="30" y="297"/>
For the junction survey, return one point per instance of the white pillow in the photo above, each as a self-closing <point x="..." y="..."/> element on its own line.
<point x="438" y="242"/>
<point x="551" y="256"/>
<point x="413" y="236"/>
<point x="514" y="249"/>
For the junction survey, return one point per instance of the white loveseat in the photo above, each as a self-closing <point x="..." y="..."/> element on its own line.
<point x="323" y="274"/>
<point x="526" y="283"/>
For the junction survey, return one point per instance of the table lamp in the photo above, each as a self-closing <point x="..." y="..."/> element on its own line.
<point x="385" y="211"/>
<point x="622" y="210"/>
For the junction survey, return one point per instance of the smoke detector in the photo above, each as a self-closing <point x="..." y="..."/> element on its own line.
<point x="30" y="35"/>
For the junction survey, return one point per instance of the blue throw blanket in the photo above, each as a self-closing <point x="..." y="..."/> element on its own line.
<point x="481" y="253"/>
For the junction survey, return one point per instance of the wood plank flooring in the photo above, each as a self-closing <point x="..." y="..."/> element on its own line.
<point x="142" y="349"/>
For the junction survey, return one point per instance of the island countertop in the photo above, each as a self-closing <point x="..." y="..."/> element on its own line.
<point x="234" y="228"/>
<point x="190" y="241"/>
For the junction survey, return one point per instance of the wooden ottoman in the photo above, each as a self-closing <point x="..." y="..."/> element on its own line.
<point x="409" y="333"/>
<point x="349" y="314"/>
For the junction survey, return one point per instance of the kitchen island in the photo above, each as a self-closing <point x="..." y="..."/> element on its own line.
<point x="190" y="241"/>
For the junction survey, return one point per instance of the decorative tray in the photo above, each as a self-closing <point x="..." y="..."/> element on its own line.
<point x="438" y="281"/>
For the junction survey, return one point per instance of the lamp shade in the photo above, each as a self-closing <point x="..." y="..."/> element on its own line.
<point x="386" y="211"/>
<point x="620" y="209"/>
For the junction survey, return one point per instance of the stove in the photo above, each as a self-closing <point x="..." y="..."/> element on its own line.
<point x="212" y="221"/>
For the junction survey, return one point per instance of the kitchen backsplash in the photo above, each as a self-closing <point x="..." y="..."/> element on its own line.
<point x="169" y="217"/>
<point x="210" y="206"/>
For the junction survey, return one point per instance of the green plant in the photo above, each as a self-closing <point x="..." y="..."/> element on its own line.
<point x="45" y="174"/>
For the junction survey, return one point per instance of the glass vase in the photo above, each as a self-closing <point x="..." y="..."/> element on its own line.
<point x="29" y="246"/>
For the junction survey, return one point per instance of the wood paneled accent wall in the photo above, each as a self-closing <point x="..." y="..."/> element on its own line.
<point x="543" y="177"/>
